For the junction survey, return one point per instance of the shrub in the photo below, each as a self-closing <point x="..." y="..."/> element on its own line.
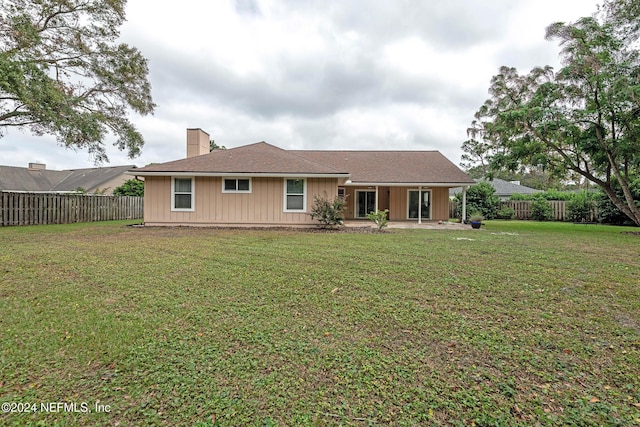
<point x="379" y="218"/>
<point x="505" y="212"/>
<point x="330" y="213"/>
<point x="541" y="210"/>
<point x="480" y="198"/>
<point x="580" y="207"/>
<point x="131" y="187"/>
<point x="546" y="195"/>
<point x="608" y="213"/>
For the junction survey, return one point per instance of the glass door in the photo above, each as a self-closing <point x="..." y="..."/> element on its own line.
<point x="365" y="203"/>
<point x="419" y="201"/>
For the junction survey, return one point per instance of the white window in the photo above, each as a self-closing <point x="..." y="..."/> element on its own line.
<point x="295" y="195"/>
<point x="236" y="185"/>
<point x="182" y="194"/>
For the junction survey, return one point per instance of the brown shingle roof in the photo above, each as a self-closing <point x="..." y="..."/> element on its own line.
<point x="384" y="167"/>
<point x="256" y="158"/>
<point x="392" y="167"/>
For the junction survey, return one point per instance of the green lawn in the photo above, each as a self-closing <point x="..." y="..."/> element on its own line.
<point x="515" y="324"/>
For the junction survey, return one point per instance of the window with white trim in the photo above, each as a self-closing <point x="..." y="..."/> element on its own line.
<point x="182" y="194"/>
<point x="236" y="185"/>
<point x="295" y="198"/>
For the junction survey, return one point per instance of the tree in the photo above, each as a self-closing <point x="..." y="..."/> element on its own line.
<point x="584" y="119"/>
<point x="214" y="146"/>
<point x="131" y="187"/>
<point x="63" y="72"/>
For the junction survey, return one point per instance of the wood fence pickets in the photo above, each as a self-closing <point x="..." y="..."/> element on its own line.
<point x="522" y="209"/>
<point x="46" y="208"/>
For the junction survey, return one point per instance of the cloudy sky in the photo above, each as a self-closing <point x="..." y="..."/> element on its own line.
<point x="318" y="74"/>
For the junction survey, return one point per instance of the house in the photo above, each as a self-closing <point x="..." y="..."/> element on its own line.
<point x="504" y="189"/>
<point x="38" y="179"/>
<point x="263" y="185"/>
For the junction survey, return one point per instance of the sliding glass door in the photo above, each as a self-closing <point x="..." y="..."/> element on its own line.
<point x="419" y="201"/>
<point x="365" y="203"/>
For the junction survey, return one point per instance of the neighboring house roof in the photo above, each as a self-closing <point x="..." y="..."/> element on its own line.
<point x="23" y="179"/>
<point x="42" y="180"/>
<point x="504" y="189"/>
<point x="393" y="167"/>
<point x="362" y="167"/>
<point x="91" y="178"/>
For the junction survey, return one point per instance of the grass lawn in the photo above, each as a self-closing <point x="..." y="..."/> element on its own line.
<point x="515" y="324"/>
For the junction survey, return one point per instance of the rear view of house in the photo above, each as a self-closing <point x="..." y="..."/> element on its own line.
<point x="263" y="185"/>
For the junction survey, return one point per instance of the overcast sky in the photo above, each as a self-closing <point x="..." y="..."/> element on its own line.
<point x="319" y="74"/>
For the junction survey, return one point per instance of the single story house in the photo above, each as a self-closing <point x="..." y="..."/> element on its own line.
<point x="263" y="185"/>
<point x="38" y="179"/>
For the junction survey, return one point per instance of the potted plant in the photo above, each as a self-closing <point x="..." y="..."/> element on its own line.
<point x="475" y="219"/>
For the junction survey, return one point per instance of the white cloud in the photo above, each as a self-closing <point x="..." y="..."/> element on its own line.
<point x="356" y="74"/>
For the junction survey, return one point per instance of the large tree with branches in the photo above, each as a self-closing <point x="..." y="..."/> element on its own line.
<point x="583" y="119"/>
<point x="63" y="72"/>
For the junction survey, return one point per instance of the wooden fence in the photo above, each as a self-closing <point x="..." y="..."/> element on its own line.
<point x="522" y="208"/>
<point x="49" y="208"/>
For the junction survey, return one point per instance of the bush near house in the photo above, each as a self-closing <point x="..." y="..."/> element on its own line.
<point x="480" y="198"/>
<point x="330" y="213"/>
<point x="379" y="218"/>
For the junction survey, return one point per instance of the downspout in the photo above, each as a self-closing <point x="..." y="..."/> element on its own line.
<point x="464" y="204"/>
<point x="420" y="204"/>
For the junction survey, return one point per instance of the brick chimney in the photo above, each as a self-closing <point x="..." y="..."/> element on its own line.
<point x="197" y="142"/>
<point x="37" y="166"/>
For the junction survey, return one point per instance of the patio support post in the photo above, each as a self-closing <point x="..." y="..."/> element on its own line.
<point x="420" y="204"/>
<point x="464" y="204"/>
<point x="376" y="198"/>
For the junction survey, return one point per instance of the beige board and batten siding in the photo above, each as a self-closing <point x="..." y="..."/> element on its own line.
<point x="264" y="206"/>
